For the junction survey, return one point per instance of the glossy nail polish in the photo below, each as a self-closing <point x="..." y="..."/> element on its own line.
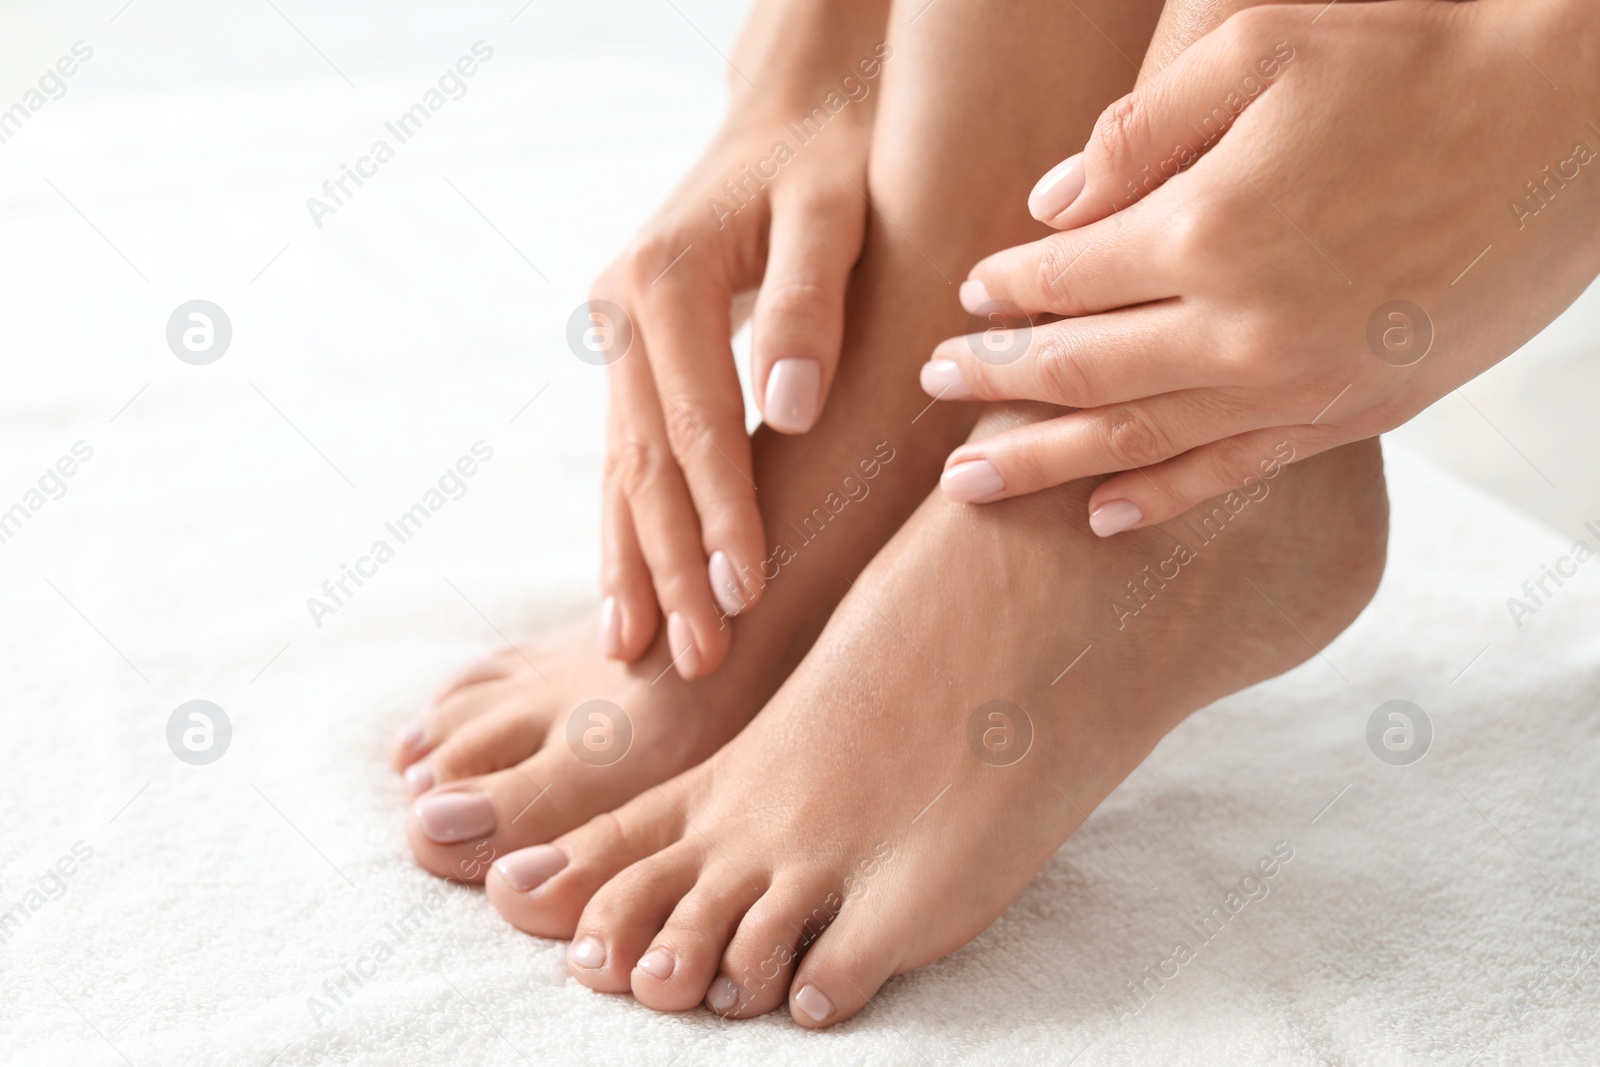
<point x="942" y="380"/>
<point x="588" y="953"/>
<point x="680" y="640"/>
<point x="610" y="628"/>
<point x="976" y="479"/>
<point x="449" y="818"/>
<point x="974" y="296"/>
<point x="725" y="583"/>
<point x="1058" y="189"/>
<point x="794" y="393"/>
<point x="529" y="868"/>
<point x="1115" y="516"/>
<point x="657" y="963"/>
<point x="811" y="1000"/>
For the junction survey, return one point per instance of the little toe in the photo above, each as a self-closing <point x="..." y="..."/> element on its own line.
<point x="543" y="890"/>
<point x="677" y="969"/>
<point x="624" y="916"/>
<point x="443" y="717"/>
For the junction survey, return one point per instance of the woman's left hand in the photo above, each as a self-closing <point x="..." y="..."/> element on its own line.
<point x="1373" y="204"/>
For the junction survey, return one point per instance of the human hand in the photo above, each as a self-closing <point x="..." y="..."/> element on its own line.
<point x="1330" y="162"/>
<point x="774" y="203"/>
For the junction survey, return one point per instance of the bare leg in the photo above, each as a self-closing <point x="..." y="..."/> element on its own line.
<point x="973" y="108"/>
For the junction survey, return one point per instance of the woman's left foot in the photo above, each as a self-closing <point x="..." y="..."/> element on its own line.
<point x="995" y="673"/>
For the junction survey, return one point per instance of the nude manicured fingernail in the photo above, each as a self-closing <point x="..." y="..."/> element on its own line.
<point x="680" y="639"/>
<point x="587" y="953"/>
<point x="657" y="963"/>
<point x="794" y="390"/>
<point x="942" y="380"/>
<point x="1055" y="192"/>
<point x="448" y="818"/>
<point x="610" y="628"/>
<point x="723" y="994"/>
<point x="419" y="779"/>
<point x="811" y="1001"/>
<point x="1115" y="516"/>
<point x="529" y="868"/>
<point x="725" y="584"/>
<point x="974" y="295"/>
<point x="973" y="480"/>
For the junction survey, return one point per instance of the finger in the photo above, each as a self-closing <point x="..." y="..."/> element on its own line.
<point x="1169" y="121"/>
<point x="1109" y="264"/>
<point x="685" y="325"/>
<point x="1244" y="464"/>
<point x="665" y="520"/>
<point x="1077" y="363"/>
<point x="798" y="327"/>
<point x="1123" y="437"/>
<point x="628" y="614"/>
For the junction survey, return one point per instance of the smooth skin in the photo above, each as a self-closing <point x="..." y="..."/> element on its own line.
<point x="1199" y="321"/>
<point x="681" y="526"/>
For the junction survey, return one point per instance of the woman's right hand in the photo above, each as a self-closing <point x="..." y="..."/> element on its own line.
<point x="776" y="202"/>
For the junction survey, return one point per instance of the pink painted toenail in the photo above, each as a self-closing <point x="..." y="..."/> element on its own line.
<point x="410" y="739"/>
<point x="680" y="639"/>
<point x="1114" y="517"/>
<point x="723" y="995"/>
<point x="725" y="583"/>
<point x="451" y="817"/>
<point x="942" y="380"/>
<point x="657" y="963"/>
<point x="811" y="1001"/>
<point x="529" y="868"/>
<point x="419" y="779"/>
<point x="974" y="480"/>
<point x="610" y="628"/>
<point x="588" y="953"/>
<point x="974" y="295"/>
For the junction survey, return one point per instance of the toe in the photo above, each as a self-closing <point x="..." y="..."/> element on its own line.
<point x="491" y="742"/>
<point x="849" y="964"/>
<point x="497" y="664"/>
<point x="445" y="715"/>
<point x="775" y="932"/>
<point x="543" y="890"/>
<point x="676" y="971"/>
<point x="623" y="917"/>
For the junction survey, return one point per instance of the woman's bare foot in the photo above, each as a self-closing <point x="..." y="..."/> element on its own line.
<point x="496" y="759"/>
<point x="995" y="673"/>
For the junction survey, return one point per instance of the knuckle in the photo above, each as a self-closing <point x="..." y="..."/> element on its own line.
<point x="1063" y="372"/>
<point x="690" y="422"/>
<point x="1118" y="132"/>
<point x="796" y="308"/>
<point x="1134" y="438"/>
<point x="648" y="256"/>
<point x="1050" y="275"/>
<point x="636" y="467"/>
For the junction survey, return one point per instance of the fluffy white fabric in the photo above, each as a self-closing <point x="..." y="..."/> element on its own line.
<point x="1440" y="912"/>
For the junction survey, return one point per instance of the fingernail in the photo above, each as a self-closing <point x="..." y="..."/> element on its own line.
<point x="723" y="994"/>
<point x="973" y="480"/>
<point x="1115" y="516"/>
<point x="941" y="379"/>
<point x="610" y="628"/>
<point x="680" y="639"/>
<point x="725" y="584"/>
<point x="1055" y="192"/>
<point x="657" y="963"/>
<point x="410" y="739"/>
<point x="811" y="1001"/>
<point x="587" y="953"/>
<point x="794" y="386"/>
<point x="529" y="868"/>
<point x="419" y="779"/>
<point x="451" y="817"/>
<point x="974" y="295"/>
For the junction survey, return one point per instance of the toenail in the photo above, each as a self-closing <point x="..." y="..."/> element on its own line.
<point x="451" y="817"/>
<point x="419" y="778"/>
<point x="680" y="639"/>
<point x="529" y="868"/>
<point x="811" y="1001"/>
<point x="588" y="953"/>
<point x="409" y="739"/>
<point x="723" y="995"/>
<point x="970" y="481"/>
<point x="657" y="963"/>
<point x="1114" y="517"/>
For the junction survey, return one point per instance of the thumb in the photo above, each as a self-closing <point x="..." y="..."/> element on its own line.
<point x="1168" y="122"/>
